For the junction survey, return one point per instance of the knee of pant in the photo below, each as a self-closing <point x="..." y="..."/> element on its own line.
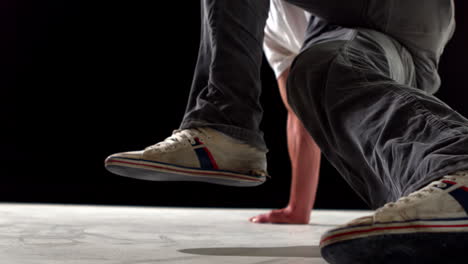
<point x="308" y="77"/>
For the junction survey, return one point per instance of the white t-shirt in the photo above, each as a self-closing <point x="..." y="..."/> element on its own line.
<point x="284" y="34"/>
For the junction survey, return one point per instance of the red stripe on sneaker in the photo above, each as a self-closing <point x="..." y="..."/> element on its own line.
<point x="454" y="183"/>
<point x="186" y="171"/>
<point x="213" y="161"/>
<point x="388" y="228"/>
<point x="449" y="182"/>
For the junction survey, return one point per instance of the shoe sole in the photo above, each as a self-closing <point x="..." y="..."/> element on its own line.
<point x="158" y="171"/>
<point x="420" y="241"/>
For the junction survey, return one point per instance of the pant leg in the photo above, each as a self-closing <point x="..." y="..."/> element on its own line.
<point x="226" y="86"/>
<point x="385" y="137"/>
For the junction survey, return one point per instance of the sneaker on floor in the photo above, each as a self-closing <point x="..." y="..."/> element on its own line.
<point x="201" y="154"/>
<point x="428" y="226"/>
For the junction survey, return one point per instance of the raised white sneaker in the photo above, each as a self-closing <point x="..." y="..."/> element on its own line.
<point x="200" y="154"/>
<point x="428" y="226"/>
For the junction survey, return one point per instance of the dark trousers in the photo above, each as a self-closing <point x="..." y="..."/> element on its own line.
<point x="363" y="96"/>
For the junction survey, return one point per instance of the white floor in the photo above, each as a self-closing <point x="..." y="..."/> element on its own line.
<point x="143" y="235"/>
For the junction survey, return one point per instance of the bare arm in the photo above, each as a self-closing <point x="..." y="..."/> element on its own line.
<point x="305" y="163"/>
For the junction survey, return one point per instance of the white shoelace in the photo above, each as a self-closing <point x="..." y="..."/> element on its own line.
<point x="423" y="193"/>
<point x="179" y="138"/>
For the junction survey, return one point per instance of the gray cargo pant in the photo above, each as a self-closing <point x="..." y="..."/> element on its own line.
<point x="358" y="96"/>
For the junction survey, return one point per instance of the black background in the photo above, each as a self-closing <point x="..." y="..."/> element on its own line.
<point x="84" y="79"/>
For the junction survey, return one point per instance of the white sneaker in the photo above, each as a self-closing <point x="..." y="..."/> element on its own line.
<point x="200" y="154"/>
<point x="428" y="226"/>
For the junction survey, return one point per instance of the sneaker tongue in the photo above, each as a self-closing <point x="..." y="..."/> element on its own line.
<point x="182" y="135"/>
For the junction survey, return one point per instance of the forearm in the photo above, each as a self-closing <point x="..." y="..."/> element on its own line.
<point x="304" y="154"/>
<point x="305" y="165"/>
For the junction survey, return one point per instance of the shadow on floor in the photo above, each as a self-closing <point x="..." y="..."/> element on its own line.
<point x="299" y="251"/>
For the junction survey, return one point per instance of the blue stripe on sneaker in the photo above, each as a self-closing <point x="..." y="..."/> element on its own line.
<point x="203" y="158"/>
<point x="462" y="197"/>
